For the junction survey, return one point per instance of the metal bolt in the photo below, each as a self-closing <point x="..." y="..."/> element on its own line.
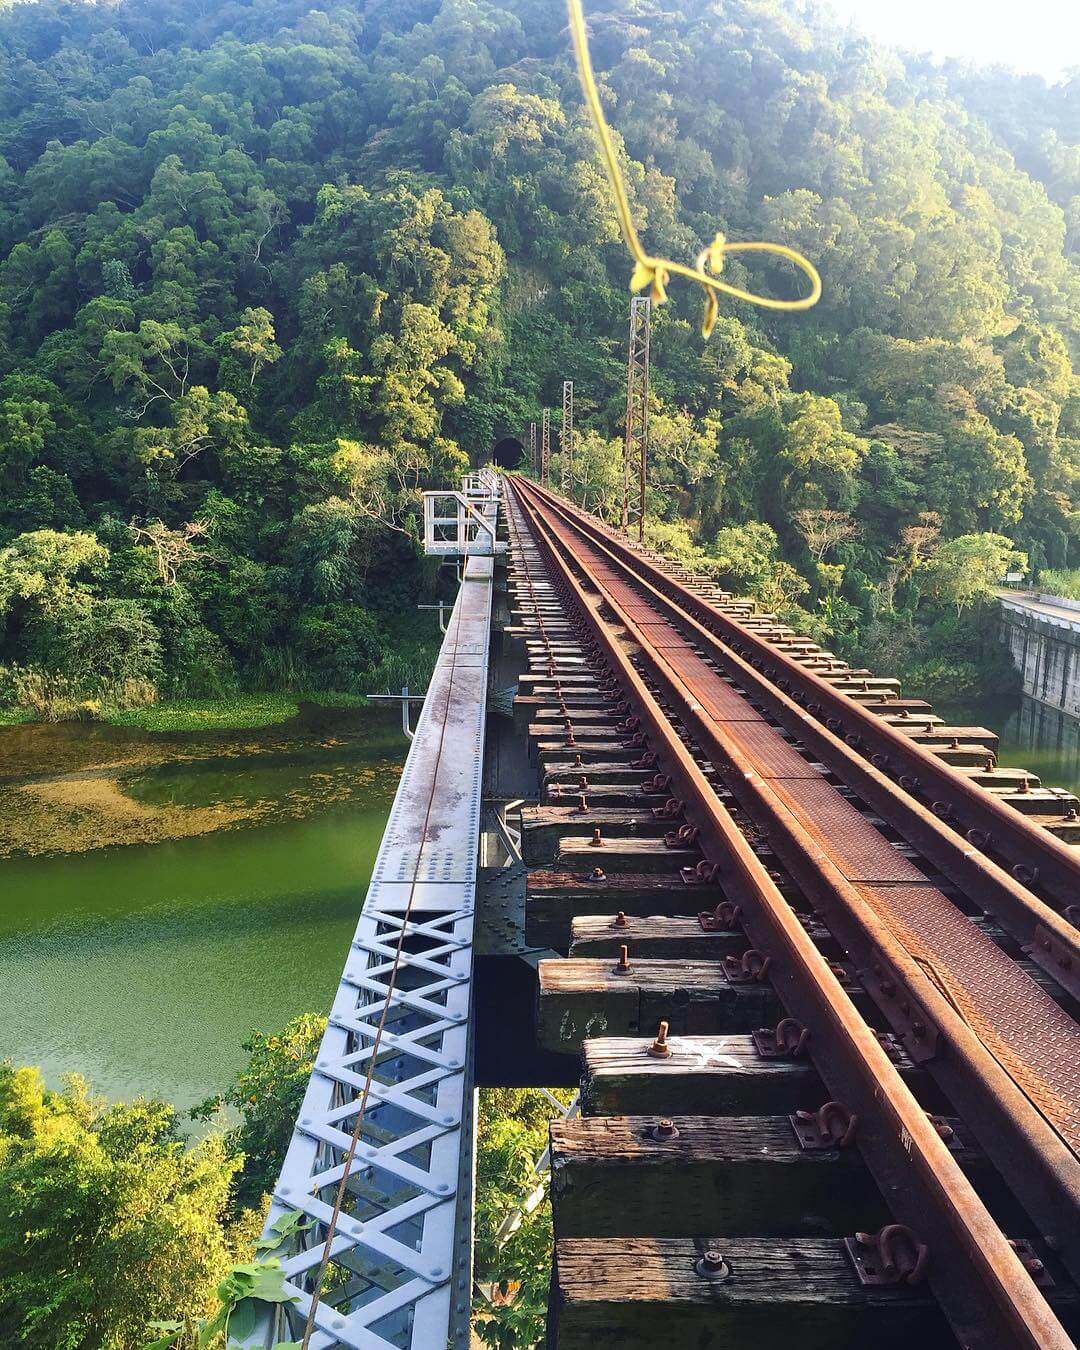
<point x="918" y="1029"/>
<point x="660" y="1048"/>
<point x="598" y="873"/>
<point x="712" y="1266"/>
<point x="664" y="1129"/>
<point x="624" y="967"/>
<point x="596" y="841"/>
<point x="620" y="920"/>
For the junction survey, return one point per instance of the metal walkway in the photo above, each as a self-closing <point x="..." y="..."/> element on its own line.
<point x="400" y="1257"/>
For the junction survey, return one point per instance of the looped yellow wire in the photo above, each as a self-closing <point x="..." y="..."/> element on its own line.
<point x="657" y="272"/>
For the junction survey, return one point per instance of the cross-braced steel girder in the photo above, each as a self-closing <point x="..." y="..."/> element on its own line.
<point x="401" y="1247"/>
<point x="545" y="446"/>
<point x="566" y="439"/>
<point x="636" y="445"/>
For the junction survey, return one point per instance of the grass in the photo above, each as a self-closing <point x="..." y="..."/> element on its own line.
<point x="1064" y="582"/>
<point x="13" y="717"/>
<point x="240" y="712"/>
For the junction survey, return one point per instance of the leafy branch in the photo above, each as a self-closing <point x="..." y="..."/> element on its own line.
<point x="245" y="1285"/>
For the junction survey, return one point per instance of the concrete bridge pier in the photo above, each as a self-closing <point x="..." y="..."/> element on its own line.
<point x="1043" y="634"/>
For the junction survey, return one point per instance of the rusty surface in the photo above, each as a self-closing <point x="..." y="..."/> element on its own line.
<point x="803" y="978"/>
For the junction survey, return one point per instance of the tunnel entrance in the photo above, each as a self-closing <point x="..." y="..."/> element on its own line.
<point x="507" y="453"/>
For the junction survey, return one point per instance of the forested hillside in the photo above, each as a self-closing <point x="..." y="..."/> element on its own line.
<point x="267" y="269"/>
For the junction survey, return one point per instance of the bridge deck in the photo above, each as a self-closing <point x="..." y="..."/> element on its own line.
<point x="399" y="1035"/>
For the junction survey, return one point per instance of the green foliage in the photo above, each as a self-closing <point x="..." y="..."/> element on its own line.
<point x="512" y="1133"/>
<point x="108" y="1221"/>
<point x="967" y="569"/>
<point x="267" y="1094"/>
<point x="1061" y="582"/>
<point x="241" y="712"/>
<point x="263" y="276"/>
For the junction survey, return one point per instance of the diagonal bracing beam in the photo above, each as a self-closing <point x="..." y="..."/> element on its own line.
<point x="401" y="1254"/>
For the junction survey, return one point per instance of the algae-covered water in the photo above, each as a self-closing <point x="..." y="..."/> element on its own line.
<point x="163" y="895"/>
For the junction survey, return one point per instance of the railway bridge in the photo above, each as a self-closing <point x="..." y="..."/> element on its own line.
<point x="812" y="954"/>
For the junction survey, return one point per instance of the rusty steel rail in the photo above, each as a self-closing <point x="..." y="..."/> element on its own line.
<point x="1053" y="940"/>
<point x="983" y="1287"/>
<point x="1035" y="858"/>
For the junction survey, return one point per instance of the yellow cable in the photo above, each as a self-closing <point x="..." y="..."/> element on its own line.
<point x="658" y="271"/>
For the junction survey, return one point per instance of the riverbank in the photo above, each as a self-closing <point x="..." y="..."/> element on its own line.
<point x="75" y="787"/>
<point x="241" y="712"/>
<point x="168" y="891"/>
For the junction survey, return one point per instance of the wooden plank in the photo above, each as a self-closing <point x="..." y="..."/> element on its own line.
<point x="1051" y="803"/>
<point x="943" y="735"/>
<point x="617" y="1176"/>
<point x="580" y="999"/>
<point x="613" y="771"/>
<point x="961" y="754"/>
<point x="1068" y="831"/>
<point x="576" y="853"/>
<point x="646" y="1292"/>
<point x="601" y="713"/>
<point x="598" y="794"/>
<point x="667" y="937"/>
<point x="528" y="708"/>
<point x="553" y="899"/>
<point x="592" y="751"/>
<point x="708" y="1075"/>
<point x="544" y="731"/>
<point x="543" y="827"/>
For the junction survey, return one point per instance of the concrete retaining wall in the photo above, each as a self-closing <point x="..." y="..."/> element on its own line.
<point x="1047" y="654"/>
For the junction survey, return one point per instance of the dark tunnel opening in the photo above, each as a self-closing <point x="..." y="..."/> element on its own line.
<point x="507" y="453"/>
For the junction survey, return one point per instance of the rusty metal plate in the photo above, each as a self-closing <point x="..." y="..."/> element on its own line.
<point x="772" y="755"/>
<point x="712" y="691"/>
<point x="1032" y="1037"/>
<point x="859" y="850"/>
<point x="666" y="638"/>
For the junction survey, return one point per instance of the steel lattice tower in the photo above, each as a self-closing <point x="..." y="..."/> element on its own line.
<point x="533" y="460"/>
<point x="636" y="448"/>
<point x="545" y="445"/>
<point x="566" y="438"/>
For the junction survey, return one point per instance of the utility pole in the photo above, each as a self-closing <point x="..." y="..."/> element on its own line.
<point x="545" y="446"/>
<point x="636" y="448"/>
<point x="566" y="438"/>
<point x="532" y="449"/>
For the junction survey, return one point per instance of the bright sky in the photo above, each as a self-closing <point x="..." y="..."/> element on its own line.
<point x="1041" y="36"/>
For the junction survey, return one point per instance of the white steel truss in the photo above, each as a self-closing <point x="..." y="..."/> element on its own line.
<point x="400" y="1275"/>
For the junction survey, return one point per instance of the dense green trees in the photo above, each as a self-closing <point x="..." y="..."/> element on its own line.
<point x="108" y="1219"/>
<point x="264" y="271"/>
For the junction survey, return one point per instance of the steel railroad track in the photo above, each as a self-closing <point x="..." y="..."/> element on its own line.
<point x="822" y="967"/>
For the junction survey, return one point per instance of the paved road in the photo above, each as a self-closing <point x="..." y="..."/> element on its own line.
<point x="1030" y="600"/>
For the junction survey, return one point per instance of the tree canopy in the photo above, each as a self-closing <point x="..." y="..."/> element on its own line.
<point x="266" y="270"/>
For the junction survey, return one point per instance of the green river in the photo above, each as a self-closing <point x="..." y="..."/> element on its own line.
<point x="163" y="895"/>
